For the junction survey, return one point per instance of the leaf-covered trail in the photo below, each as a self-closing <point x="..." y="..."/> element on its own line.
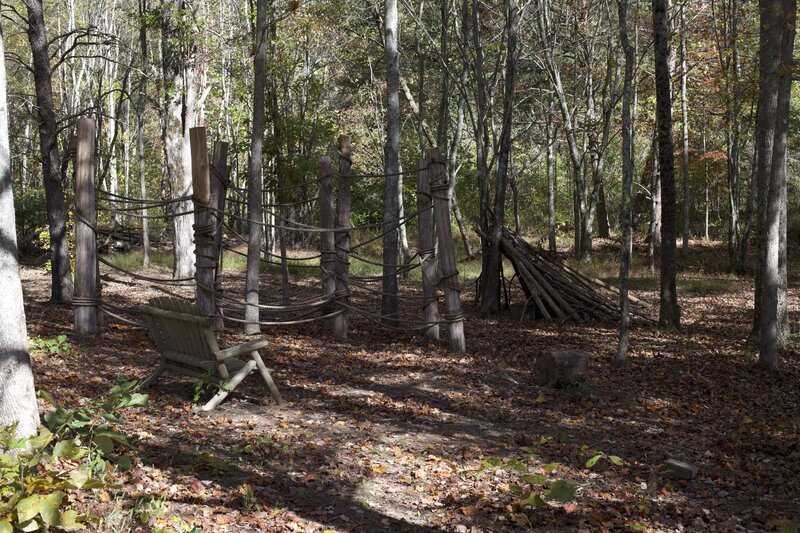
<point x="384" y="432"/>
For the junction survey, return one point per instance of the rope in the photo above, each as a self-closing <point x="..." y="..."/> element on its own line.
<point x="174" y="281"/>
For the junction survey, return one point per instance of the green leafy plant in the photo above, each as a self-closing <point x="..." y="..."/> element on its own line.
<point x="93" y="426"/>
<point x="538" y="487"/>
<point x="37" y="472"/>
<point x="52" y="346"/>
<point x="600" y="455"/>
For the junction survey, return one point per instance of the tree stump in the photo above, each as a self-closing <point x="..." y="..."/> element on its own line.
<point x="560" y="368"/>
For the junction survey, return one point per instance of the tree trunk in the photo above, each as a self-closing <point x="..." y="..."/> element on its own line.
<point x="178" y="50"/>
<point x="17" y="394"/>
<point x="140" y="109"/>
<point x="391" y="194"/>
<point x="627" y="186"/>
<point x="255" y="183"/>
<point x="775" y="51"/>
<point x="490" y="301"/>
<point x="550" y="139"/>
<point x="61" y="289"/>
<point x="669" y="313"/>
<point x="684" y="131"/>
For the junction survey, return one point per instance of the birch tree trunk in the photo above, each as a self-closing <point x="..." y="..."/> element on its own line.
<point x="17" y="395"/>
<point x="391" y="207"/>
<point x="255" y="183"/>
<point x="140" y="110"/>
<point x="61" y="289"/>
<point x="178" y="52"/>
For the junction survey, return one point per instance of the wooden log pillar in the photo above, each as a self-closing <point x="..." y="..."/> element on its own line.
<point x="341" y="322"/>
<point x="427" y="249"/>
<point x="326" y="238"/>
<point x="219" y="187"/>
<point x="203" y="223"/>
<point x="453" y="313"/>
<point x="84" y="299"/>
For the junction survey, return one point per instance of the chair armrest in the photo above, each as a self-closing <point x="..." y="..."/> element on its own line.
<point x="241" y="349"/>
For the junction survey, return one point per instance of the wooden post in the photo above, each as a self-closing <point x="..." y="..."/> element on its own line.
<point x="85" y="295"/>
<point x="219" y="187"/>
<point x="203" y="223"/>
<point x="326" y="244"/>
<point x="427" y="250"/>
<point x="341" y="322"/>
<point x="447" y="255"/>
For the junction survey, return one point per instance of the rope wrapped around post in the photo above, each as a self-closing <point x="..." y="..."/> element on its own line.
<point x="427" y="251"/>
<point x="85" y="299"/>
<point x="453" y="313"/>
<point x="341" y="323"/>
<point x="204" y="226"/>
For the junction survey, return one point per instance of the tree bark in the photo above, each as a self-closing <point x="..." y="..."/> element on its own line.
<point x="140" y="109"/>
<point x="391" y="207"/>
<point x="627" y="186"/>
<point x="255" y="183"/>
<point x="490" y="301"/>
<point x="550" y="139"/>
<point x="178" y="50"/>
<point x="17" y="394"/>
<point x="669" y="311"/>
<point x="776" y="47"/>
<point x="684" y="130"/>
<point x="61" y="289"/>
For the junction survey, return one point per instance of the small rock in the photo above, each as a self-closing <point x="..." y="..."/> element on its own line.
<point x="560" y="368"/>
<point x="681" y="469"/>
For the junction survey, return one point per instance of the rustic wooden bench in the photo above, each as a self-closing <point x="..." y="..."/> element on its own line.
<point x="182" y="334"/>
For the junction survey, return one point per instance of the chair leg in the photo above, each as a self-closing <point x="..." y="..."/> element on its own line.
<point x="262" y="369"/>
<point x="227" y="386"/>
<point x="153" y="377"/>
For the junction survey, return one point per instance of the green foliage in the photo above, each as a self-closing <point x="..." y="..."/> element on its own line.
<point x="69" y="453"/>
<point x="535" y="478"/>
<point x="600" y="455"/>
<point x="53" y="346"/>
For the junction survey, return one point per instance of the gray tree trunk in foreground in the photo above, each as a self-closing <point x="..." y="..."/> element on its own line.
<point x="61" y="290"/>
<point x="627" y="185"/>
<point x="178" y="51"/>
<point x="255" y="182"/>
<point x="391" y="206"/>
<point x="17" y="395"/>
<point x="777" y="19"/>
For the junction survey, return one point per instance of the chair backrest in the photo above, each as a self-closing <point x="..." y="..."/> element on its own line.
<point x="180" y="326"/>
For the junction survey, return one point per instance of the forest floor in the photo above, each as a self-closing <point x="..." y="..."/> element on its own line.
<point x="386" y="432"/>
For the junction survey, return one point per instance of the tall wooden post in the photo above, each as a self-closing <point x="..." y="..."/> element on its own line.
<point x="427" y="250"/>
<point x="326" y="238"/>
<point x="341" y="322"/>
<point x="219" y="187"/>
<point x="203" y="223"/>
<point x="453" y="313"/>
<point x="85" y="295"/>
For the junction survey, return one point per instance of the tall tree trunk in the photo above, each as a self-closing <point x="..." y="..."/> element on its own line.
<point x="627" y="186"/>
<point x="17" y="394"/>
<point x="255" y="183"/>
<point x="669" y="312"/>
<point x="490" y="301"/>
<point x="775" y="51"/>
<point x="140" y="109"/>
<point x="61" y="289"/>
<point x="550" y="138"/>
<point x="178" y="51"/>
<point x="391" y="207"/>
<point x="684" y="130"/>
<point x="655" y="205"/>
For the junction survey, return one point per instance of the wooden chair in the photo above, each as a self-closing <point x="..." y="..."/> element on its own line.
<point x="186" y="344"/>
